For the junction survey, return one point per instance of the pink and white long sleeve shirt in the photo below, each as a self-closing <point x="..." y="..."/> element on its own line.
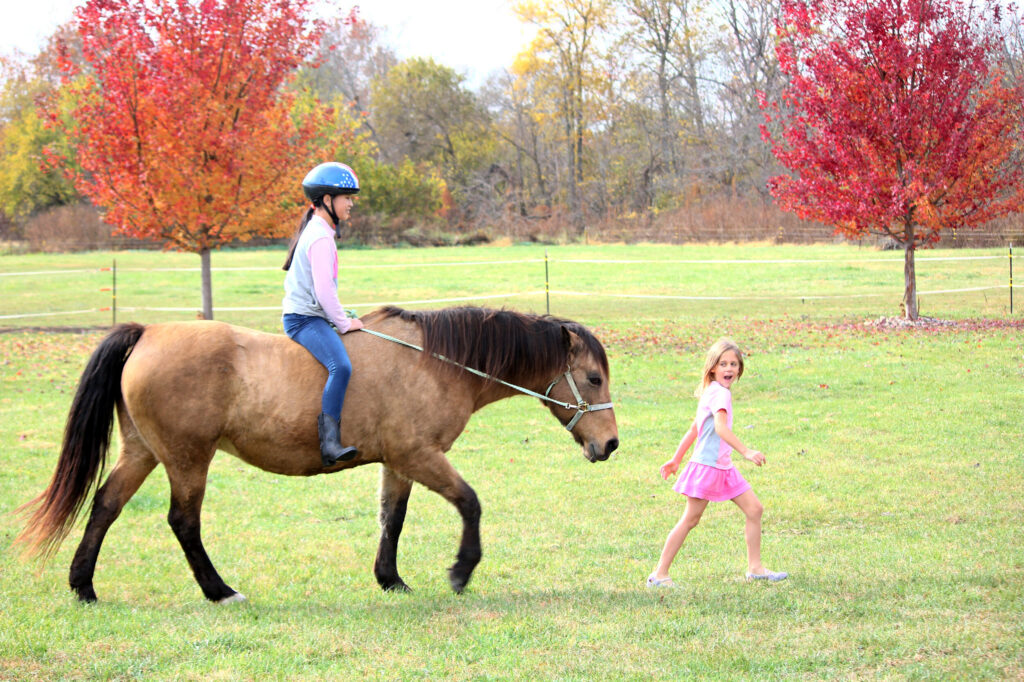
<point x="311" y="285"/>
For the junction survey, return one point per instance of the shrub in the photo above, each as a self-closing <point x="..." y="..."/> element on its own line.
<point x="76" y="227"/>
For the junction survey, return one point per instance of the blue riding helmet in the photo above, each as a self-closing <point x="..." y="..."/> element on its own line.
<point x="330" y="178"/>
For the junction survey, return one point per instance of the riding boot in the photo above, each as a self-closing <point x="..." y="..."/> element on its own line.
<point x="331" y="449"/>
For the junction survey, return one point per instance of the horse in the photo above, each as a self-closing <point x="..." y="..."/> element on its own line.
<point x="184" y="390"/>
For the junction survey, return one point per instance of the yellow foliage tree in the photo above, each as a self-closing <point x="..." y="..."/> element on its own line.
<point x="565" y="56"/>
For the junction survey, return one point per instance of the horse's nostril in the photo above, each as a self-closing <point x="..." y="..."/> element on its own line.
<point x="611" y="446"/>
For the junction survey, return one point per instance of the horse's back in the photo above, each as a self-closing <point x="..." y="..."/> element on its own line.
<point x="257" y="395"/>
<point x="191" y="384"/>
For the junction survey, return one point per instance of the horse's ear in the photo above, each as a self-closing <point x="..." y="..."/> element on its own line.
<point x="572" y="340"/>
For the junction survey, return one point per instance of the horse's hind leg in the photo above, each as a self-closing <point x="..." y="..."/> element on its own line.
<point x="133" y="465"/>
<point x="437" y="473"/>
<point x="394" y="500"/>
<point x="187" y="490"/>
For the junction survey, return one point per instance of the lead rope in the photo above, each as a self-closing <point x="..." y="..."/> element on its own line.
<point x="581" y="405"/>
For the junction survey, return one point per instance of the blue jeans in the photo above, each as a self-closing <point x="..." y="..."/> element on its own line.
<point x="318" y="337"/>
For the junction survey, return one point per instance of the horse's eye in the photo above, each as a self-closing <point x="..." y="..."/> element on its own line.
<point x="594" y="379"/>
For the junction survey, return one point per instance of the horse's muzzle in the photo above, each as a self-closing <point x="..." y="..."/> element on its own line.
<point x="594" y="455"/>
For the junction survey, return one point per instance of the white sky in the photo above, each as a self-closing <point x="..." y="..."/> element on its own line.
<point x="474" y="37"/>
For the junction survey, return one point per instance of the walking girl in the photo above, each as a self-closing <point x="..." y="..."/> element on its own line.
<point x="710" y="475"/>
<point x="311" y="305"/>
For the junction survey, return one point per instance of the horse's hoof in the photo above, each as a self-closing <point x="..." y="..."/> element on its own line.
<point x="85" y="594"/>
<point x="236" y="597"/>
<point x="397" y="586"/>
<point x="457" y="581"/>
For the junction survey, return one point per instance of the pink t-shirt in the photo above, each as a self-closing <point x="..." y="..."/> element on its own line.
<point x="709" y="448"/>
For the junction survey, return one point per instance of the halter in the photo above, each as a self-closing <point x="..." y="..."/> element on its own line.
<point x="581" y="406"/>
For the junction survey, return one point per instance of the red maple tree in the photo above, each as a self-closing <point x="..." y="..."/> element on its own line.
<point x="894" y="120"/>
<point x="182" y="128"/>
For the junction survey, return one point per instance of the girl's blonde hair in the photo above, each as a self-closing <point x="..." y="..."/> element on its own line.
<point x="715" y="354"/>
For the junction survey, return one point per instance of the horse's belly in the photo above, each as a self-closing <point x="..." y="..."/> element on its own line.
<point x="286" y="461"/>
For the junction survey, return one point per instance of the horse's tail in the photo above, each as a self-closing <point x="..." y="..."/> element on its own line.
<point x="86" y="440"/>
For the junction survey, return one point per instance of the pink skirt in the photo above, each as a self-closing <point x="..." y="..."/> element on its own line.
<point x="709" y="483"/>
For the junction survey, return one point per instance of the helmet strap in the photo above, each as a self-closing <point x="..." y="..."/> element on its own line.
<point x="330" y="210"/>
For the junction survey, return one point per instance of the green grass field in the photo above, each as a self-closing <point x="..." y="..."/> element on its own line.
<point x="893" y="486"/>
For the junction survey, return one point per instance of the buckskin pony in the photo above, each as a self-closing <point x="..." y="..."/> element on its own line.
<point x="184" y="390"/>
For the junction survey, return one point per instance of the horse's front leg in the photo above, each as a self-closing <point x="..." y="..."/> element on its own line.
<point x="394" y="500"/>
<point x="437" y="473"/>
<point x="470" y="552"/>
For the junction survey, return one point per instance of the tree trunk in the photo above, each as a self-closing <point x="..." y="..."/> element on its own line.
<point x="667" y="132"/>
<point x="909" y="280"/>
<point x="204" y="257"/>
<point x="575" y="215"/>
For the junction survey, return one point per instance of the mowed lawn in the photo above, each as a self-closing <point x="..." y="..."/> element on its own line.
<point x="893" y="486"/>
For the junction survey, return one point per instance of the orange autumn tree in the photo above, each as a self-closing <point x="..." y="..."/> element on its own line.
<point x="895" y="120"/>
<point x="184" y="133"/>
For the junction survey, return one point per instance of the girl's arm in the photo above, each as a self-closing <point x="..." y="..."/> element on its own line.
<point x="322" y="263"/>
<point x="672" y="466"/>
<point x="726" y="434"/>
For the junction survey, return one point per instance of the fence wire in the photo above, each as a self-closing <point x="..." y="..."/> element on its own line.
<point x="597" y="291"/>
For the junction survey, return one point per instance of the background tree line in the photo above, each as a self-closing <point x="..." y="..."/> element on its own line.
<point x="623" y="119"/>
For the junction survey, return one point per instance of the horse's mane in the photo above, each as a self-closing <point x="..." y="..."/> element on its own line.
<point x="515" y="347"/>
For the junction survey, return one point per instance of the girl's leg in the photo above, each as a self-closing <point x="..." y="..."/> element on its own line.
<point x="673" y="543"/>
<point x="752" y="509"/>
<point x="320" y="339"/>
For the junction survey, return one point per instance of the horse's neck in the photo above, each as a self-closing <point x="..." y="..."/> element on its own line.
<point x="492" y="392"/>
